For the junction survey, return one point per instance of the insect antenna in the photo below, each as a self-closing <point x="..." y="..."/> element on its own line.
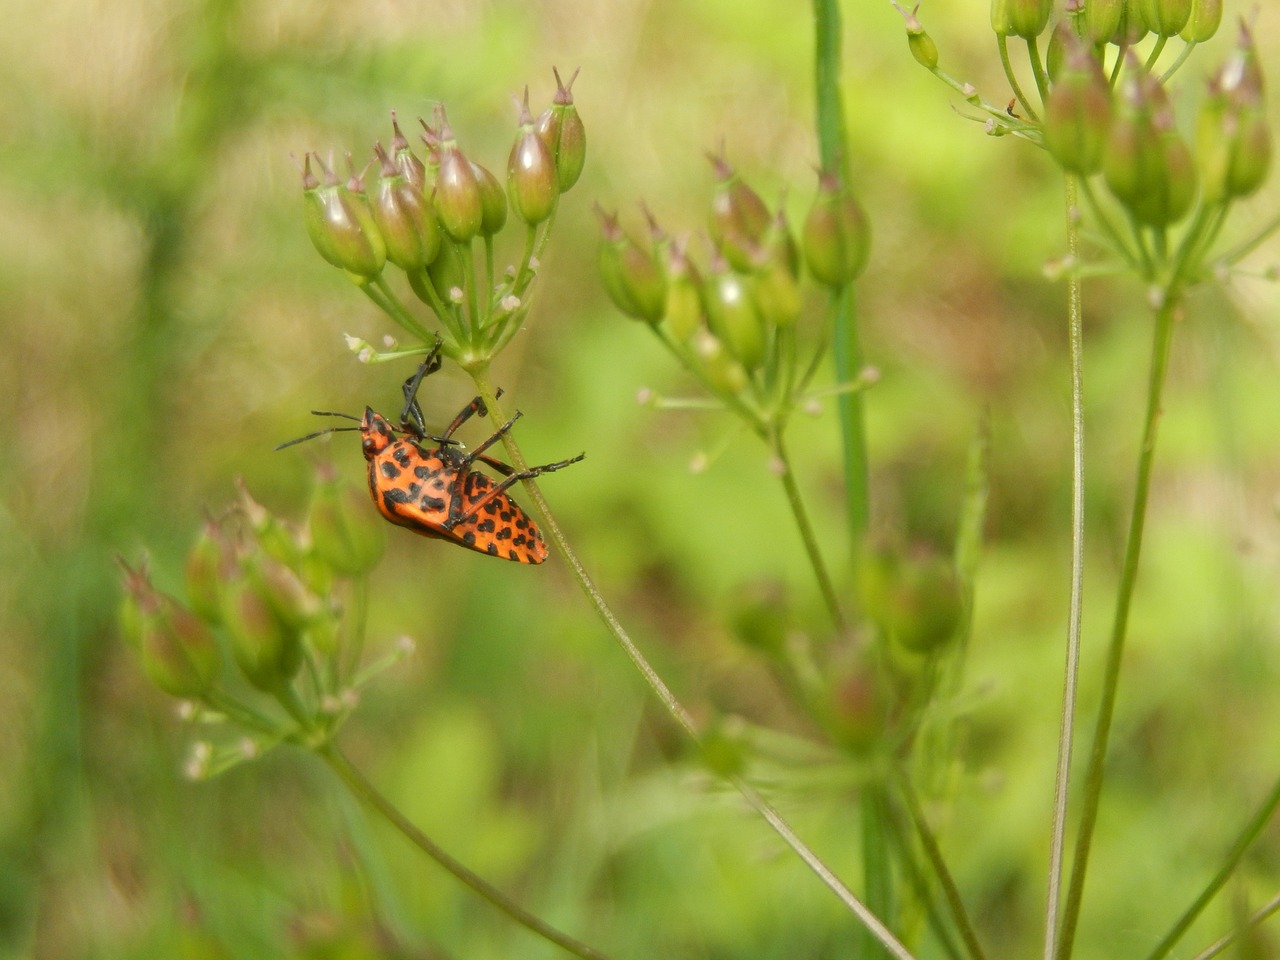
<point x="321" y="433"/>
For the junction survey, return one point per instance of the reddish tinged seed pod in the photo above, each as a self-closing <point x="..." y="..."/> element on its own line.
<point x="632" y="276"/>
<point x="532" y="177"/>
<point x="560" y="127"/>
<point x="340" y="224"/>
<point x="1077" y="113"/>
<point x="837" y="237"/>
<point x="1146" y="165"/>
<point x="739" y="218"/>
<point x="460" y="205"/>
<point x="1233" y="135"/>
<point x="404" y="217"/>
<point x="177" y="650"/>
<point x="267" y="651"/>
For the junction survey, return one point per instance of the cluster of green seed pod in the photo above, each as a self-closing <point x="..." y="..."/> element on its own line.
<point x="1106" y="110"/>
<point x="423" y="213"/>
<point x="731" y="319"/>
<point x="254" y="589"/>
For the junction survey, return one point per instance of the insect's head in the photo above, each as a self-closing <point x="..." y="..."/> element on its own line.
<point x="376" y="433"/>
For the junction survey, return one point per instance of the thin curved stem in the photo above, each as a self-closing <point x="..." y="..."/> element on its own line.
<point x="1162" y="338"/>
<point x="1003" y="46"/>
<point x="362" y="788"/>
<point x="1070" y="672"/>
<point x="807" y="534"/>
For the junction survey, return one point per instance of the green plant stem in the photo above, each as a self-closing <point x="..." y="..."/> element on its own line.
<point x="1162" y="337"/>
<point x="1002" y="45"/>
<point x="1251" y="831"/>
<point x="380" y="293"/>
<point x="932" y="851"/>
<point x="480" y="375"/>
<point x="1071" y="669"/>
<point x="877" y="866"/>
<point x="833" y="149"/>
<point x="1262" y="913"/>
<point x="362" y="788"/>
<point x="805" y="527"/>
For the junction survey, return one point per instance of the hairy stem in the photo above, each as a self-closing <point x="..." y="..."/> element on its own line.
<point x="1070" y="672"/>
<point x="1096" y="771"/>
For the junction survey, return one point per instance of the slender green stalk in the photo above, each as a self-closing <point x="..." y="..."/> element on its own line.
<point x="1265" y="911"/>
<point x="949" y="888"/>
<point x="1037" y="69"/>
<point x="1003" y="45"/>
<point x="833" y="149"/>
<point x="1252" y="829"/>
<point x="877" y="864"/>
<point x="1071" y="670"/>
<point x="480" y="375"/>
<point x="363" y="789"/>
<point x="805" y="526"/>
<point x="380" y="293"/>
<point x="1163" y="335"/>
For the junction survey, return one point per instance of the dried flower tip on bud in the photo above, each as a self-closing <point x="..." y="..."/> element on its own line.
<point x="919" y="42"/>
<point x="532" y="178"/>
<point x="561" y="129"/>
<point x="405" y="218"/>
<point x="739" y="218"/>
<point x="631" y="276"/>
<point x="459" y="201"/>
<point x="1020" y="18"/>
<point x="410" y="167"/>
<point x="340" y="224"/>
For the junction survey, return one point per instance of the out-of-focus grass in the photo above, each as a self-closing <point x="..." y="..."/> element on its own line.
<point x="166" y="323"/>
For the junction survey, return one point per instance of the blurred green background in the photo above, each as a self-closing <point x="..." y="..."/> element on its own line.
<point x="166" y="322"/>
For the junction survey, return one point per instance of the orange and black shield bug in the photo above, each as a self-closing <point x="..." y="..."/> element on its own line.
<point x="436" y="491"/>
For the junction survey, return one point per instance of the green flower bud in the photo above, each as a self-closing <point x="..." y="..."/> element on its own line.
<point x="345" y="533"/>
<point x="267" y="651"/>
<point x="685" y="311"/>
<point x="632" y="277"/>
<point x="270" y="533"/>
<point x="460" y="204"/>
<point x="721" y="368"/>
<point x="1203" y="23"/>
<point x="1020" y="18"/>
<point x="1131" y="28"/>
<point x="1146" y="165"/>
<point x="857" y="701"/>
<point x="1077" y="113"/>
<point x="284" y="591"/>
<point x="209" y="563"/>
<point x="1233" y="136"/>
<point x="760" y="618"/>
<point x="561" y="129"/>
<point x="732" y="315"/>
<point x="405" y="218"/>
<point x="919" y="43"/>
<point x="177" y="650"/>
<point x="340" y="224"/>
<point x="446" y="274"/>
<point x="532" y="177"/>
<point x="493" y="201"/>
<point x="1165" y="18"/>
<point x="1103" y="19"/>
<point x="915" y="602"/>
<point x="738" y="218"/>
<point x="837" y="237"/>
<point x="408" y="165"/>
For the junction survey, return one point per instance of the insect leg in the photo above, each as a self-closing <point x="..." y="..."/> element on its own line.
<point x="411" y="417"/>
<point x="505" y="484"/>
